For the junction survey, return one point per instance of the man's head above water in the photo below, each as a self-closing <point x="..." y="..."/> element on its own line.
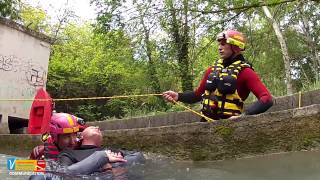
<point x="92" y="136"/>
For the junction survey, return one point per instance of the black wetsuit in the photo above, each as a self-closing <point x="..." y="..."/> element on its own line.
<point x="88" y="159"/>
<point x="68" y="157"/>
<point x="89" y="164"/>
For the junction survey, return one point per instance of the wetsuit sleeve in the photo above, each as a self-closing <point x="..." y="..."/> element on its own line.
<point x="255" y="85"/>
<point x="90" y="164"/>
<point x="258" y="107"/>
<point x="65" y="159"/>
<point x="195" y="96"/>
<point x="189" y="97"/>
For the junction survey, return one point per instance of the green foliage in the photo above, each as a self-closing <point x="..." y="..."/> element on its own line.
<point x="90" y="65"/>
<point x="207" y="54"/>
<point x="9" y="8"/>
<point x="34" y="18"/>
<point x="152" y="45"/>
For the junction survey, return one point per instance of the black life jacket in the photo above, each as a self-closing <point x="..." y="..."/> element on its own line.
<point x="221" y="99"/>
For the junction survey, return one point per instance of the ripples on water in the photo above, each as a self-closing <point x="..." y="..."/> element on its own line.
<point x="289" y="166"/>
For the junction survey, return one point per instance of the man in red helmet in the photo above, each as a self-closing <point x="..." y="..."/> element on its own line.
<point x="227" y="84"/>
<point x="62" y="136"/>
<point x="92" y="140"/>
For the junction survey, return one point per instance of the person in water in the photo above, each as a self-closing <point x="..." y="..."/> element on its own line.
<point x="62" y="136"/>
<point x="92" y="140"/>
<point x="63" y="129"/>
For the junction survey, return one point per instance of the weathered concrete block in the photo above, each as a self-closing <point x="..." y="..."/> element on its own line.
<point x="149" y="121"/>
<point x="292" y="101"/>
<point x="18" y="144"/>
<point x="288" y="130"/>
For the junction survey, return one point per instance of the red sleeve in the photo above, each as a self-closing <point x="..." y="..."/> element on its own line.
<point x="37" y="152"/>
<point x="201" y="88"/>
<point x="254" y="84"/>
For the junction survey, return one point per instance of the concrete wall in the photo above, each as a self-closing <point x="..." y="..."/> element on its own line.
<point x="292" y="101"/>
<point x="273" y="132"/>
<point x="24" y="58"/>
<point x="149" y="121"/>
<point x="290" y="130"/>
<point x="18" y="144"/>
<point x="281" y="131"/>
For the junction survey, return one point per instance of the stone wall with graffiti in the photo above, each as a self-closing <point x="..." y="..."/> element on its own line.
<point x="23" y="68"/>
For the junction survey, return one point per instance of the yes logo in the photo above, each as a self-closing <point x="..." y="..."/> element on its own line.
<point x="11" y="163"/>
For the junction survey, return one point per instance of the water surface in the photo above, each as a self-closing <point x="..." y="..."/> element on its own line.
<point x="286" y="166"/>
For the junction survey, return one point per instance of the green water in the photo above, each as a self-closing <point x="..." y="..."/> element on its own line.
<point x="288" y="166"/>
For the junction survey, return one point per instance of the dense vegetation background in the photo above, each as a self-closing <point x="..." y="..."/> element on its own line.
<point x="144" y="46"/>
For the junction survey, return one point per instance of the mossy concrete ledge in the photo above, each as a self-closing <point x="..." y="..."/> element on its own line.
<point x="18" y="144"/>
<point x="290" y="130"/>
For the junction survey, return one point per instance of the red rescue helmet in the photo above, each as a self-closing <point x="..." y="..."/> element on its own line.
<point x="63" y="123"/>
<point x="234" y="38"/>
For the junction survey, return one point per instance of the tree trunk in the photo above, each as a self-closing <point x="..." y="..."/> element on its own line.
<point x="152" y="73"/>
<point x="181" y="41"/>
<point x="311" y="44"/>
<point x="284" y="49"/>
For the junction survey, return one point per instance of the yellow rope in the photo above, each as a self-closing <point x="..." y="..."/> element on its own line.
<point x="112" y="97"/>
<point x="195" y="112"/>
<point x="89" y="98"/>
<point x="108" y="97"/>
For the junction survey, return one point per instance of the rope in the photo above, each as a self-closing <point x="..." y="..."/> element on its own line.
<point x="78" y="99"/>
<point x="113" y="97"/>
<point x="193" y="111"/>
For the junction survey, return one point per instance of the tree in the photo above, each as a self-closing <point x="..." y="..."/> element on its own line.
<point x="152" y="46"/>
<point x="9" y="8"/>
<point x="35" y="19"/>
<point x="286" y="58"/>
<point x="179" y="30"/>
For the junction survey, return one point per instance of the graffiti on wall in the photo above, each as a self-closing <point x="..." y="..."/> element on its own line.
<point x="5" y="63"/>
<point x="34" y="74"/>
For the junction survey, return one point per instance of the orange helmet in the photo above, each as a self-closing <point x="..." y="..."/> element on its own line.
<point x="233" y="37"/>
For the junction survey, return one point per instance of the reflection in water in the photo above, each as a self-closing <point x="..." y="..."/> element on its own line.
<point x="293" y="166"/>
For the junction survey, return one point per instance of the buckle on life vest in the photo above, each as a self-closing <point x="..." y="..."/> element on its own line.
<point x="227" y="85"/>
<point x="44" y="137"/>
<point x="212" y="81"/>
